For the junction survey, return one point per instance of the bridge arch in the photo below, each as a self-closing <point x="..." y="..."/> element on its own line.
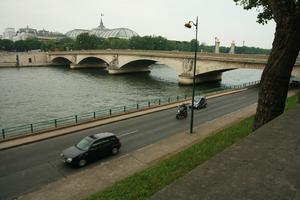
<point x="92" y="58"/>
<point x="61" y="60"/>
<point x="142" y="63"/>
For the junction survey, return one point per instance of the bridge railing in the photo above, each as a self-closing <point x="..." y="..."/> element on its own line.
<point x="53" y="124"/>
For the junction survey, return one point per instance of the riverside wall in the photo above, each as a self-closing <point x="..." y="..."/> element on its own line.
<point x="26" y="59"/>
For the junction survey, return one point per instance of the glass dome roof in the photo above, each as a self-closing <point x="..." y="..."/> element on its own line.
<point x="123" y="33"/>
<point x="74" y="33"/>
<point x="103" y="32"/>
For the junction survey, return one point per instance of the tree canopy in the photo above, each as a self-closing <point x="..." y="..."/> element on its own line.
<point x="86" y="41"/>
<point x="262" y="6"/>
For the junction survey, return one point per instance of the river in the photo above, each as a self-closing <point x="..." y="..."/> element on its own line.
<point x="33" y="94"/>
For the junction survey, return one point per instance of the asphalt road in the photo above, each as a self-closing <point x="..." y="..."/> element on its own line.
<point x="26" y="168"/>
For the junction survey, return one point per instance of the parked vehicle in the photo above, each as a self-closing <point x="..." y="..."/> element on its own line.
<point x="91" y="148"/>
<point x="294" y="83"/>
<point x="182" y="112"/>
<point x="199" y="102"/>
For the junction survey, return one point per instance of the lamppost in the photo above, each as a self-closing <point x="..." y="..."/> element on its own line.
<point x="189" y="25"/>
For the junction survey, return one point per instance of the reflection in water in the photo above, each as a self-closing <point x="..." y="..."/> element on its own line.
<point x="34" y="94"/>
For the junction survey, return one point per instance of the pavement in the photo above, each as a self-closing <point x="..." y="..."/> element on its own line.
<point x="97" y="178"/>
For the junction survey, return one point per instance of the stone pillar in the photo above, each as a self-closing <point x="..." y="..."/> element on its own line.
<point x="217" y="45"/>
<point x="232" y="48"/>
<point x="185" y="79"/>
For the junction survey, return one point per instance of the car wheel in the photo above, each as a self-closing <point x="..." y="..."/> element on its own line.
<point x="82" y="162"/>
<point x="115" y="151"/>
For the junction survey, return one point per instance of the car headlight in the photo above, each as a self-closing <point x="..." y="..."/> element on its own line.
<point x="69" y="160"/>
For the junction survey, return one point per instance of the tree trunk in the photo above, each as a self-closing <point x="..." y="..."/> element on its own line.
<point x="276" y="75"/>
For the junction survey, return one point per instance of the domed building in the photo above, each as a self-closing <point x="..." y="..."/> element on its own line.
<point x="103" y="32"/>
<point x="74" y="33"/>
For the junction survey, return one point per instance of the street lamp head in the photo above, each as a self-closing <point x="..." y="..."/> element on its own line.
<point x="188" y="25"/>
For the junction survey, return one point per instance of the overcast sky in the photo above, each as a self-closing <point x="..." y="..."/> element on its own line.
<point x="217" y="18"/>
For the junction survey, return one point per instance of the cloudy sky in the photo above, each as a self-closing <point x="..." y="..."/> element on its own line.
<point x="217" y="18"/>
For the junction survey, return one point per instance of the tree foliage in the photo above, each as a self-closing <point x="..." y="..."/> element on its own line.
<point x="85" y="41"/>
<point x="262" y="6"/>
<point x="6" y="45"/>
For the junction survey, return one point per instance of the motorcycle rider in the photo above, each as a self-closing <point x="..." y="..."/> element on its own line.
<point x="182" y="111"/>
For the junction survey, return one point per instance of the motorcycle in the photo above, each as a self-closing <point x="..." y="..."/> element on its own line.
<point x="182" y="112"/>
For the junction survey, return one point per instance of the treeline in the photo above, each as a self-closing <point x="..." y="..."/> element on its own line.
<point x="85" y="41"/>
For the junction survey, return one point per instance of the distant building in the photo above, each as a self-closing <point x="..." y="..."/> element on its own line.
<point x="9" y="33"/>
<point x="103" y="32"/>
<point x="74" y="33"/>
<point x="0" y="37"/>
<point x="47" y="35"/>
<point x="26" y="33"/>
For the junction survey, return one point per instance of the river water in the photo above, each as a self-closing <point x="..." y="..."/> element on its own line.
<point x="33" y="94"/>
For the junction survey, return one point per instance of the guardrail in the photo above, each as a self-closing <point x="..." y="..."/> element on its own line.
<point x="53" y="124"/>
<point x="244" y="85"/>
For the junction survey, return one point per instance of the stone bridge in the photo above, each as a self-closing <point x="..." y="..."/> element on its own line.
<point x="209" y="65"/>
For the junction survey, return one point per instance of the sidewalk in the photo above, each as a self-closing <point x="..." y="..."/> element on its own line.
<point x="266" y="165"/>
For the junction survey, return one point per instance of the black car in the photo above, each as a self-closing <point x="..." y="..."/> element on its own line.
<point x="294" y="83"/>
<point x="91" y="148"/>
<point x="199" y="102"/>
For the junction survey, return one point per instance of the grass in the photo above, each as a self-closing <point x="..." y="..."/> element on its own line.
<point x="144" y="184"/>
<point x="292" y="101"/>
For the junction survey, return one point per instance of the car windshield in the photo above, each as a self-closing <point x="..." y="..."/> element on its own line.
<point x="197" y="99"/>
<point x="84" y="144"/>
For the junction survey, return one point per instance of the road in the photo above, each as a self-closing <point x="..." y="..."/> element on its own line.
<point x="26" y="168"/>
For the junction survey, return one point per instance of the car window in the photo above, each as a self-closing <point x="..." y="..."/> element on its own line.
<point x="96" y="143"/>
<point x="113" y="139"/>
<point x="101" y="142"/>
<point x="85" y="143"/>
<point x="197" y="99"/>
<point x="105" y="141"/>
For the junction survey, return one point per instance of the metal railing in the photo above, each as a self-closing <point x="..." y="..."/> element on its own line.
<point x="239" y="86"/>
<point x="49" y="125"/>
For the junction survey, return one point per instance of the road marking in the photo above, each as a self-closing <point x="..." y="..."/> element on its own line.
<point x="124" y="134"/>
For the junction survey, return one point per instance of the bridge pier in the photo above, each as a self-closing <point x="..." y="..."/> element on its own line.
<point x="92" y="65"/>
<point x="127" y="70"/>
<point x="200" y="78"/>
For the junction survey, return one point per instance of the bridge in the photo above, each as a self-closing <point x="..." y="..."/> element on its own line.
<point x="209" y="66"/>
